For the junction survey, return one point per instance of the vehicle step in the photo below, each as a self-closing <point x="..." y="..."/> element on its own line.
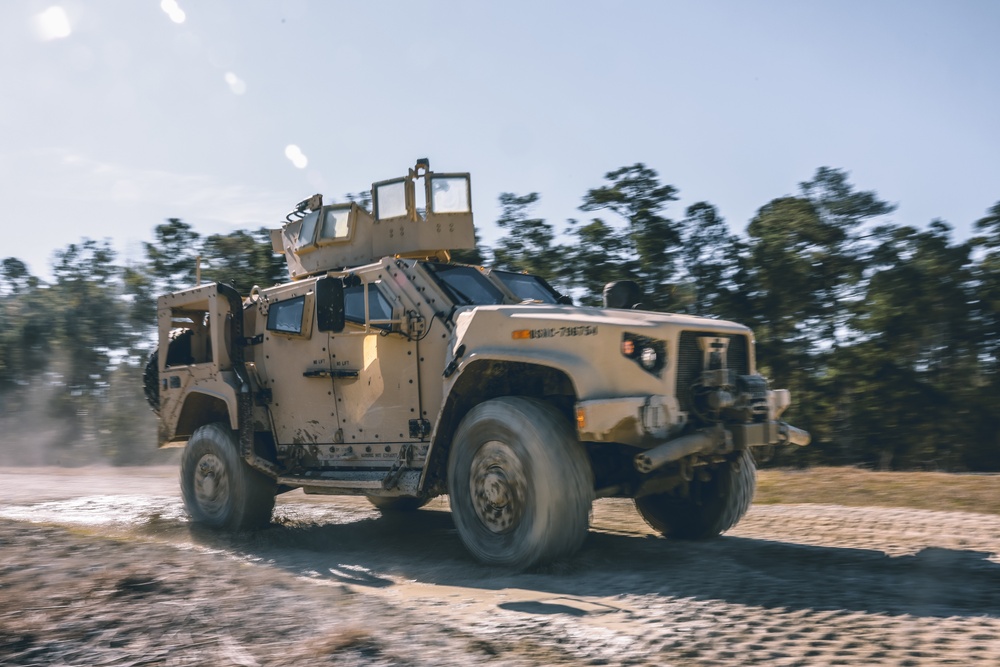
<point x="349" y="479"/>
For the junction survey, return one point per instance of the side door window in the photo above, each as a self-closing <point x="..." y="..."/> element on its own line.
<point x="379" y="307"/>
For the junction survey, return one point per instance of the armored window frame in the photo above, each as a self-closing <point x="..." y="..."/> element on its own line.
<point x="286" y="301"/>
<point x="454" y="291"/>
<point x="384" y="303"/>
<point x="306" y="242"/>
<point x="429" y="193"/>
<point x="322" y="239"/>
<point x="286" y="309"/>
<point x="509" y="278"/>
<point x="408" y="199"/>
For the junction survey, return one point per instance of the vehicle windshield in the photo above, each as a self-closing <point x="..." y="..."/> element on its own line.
<point x="527" y="288"/>
<point x="465" y="285"/>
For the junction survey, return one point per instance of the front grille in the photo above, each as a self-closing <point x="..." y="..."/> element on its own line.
<point x="689" y="361"/>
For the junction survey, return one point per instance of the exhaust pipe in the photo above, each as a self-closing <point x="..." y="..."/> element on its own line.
<point x="701" y="442"/>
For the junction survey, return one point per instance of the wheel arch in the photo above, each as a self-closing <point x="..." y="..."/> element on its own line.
<point x="204" y="407"/>
<point x="482" y="380"/>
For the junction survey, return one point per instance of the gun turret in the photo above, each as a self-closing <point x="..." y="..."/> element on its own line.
<point x="405" y="222"/>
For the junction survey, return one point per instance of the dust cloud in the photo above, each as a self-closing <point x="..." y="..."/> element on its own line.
<point x="43" y="424"/>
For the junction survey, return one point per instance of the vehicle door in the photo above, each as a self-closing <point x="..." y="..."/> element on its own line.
<point x="376" y="381"/>
<point x="293" y="364"/>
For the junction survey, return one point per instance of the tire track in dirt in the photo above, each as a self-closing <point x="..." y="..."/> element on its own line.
<point x="790" y="585"/>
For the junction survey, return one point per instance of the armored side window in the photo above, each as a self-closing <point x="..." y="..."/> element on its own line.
<point x="524" y="286"/>
<point x="307" y="233"/>
<point x="286" y="316"/>
<point x="336" y="225"/>
<point x="390" y="199"/>
<point x="450" y="194"/>
<point x="379" y="307"/>
<point x="465" y="285"/>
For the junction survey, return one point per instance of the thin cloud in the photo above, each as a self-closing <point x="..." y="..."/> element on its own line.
<point x="83" y="179"/>
<point x="66" y="195"/>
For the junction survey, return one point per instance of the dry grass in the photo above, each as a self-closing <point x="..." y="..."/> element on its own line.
<point x="860" y="488"/>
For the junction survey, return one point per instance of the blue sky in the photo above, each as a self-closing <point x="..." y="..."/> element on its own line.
<point x="120" y="113"/>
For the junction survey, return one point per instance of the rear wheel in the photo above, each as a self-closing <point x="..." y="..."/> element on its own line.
<point x="219" y="489"/>
<point x="710" y="508"/>
<point x="520" y="483"/>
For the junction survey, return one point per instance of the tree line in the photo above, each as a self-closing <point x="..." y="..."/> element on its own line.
<point x="888" y="335"/>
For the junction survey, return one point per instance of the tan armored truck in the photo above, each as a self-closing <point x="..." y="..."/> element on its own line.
<point x="384" y="369"/>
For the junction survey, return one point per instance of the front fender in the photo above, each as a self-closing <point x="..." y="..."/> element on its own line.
<point x="569" y="364"/>
<point x="206" y="400"/>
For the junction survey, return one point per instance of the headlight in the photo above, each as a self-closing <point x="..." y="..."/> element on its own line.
<point x="650" y="354"/>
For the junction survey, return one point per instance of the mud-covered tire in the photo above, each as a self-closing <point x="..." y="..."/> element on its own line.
<point x="178" y="352"/>
<point x="397" y="504"/>
<point x="711" y="507"/>
<point x="520" y="484"/>
<point x="219" y="489"/>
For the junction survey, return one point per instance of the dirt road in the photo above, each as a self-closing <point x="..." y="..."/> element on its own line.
<point x="100" y="566"/>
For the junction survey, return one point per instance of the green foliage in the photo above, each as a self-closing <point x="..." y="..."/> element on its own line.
<point x="241" y="259"/>
<point x="529" y="245"/>
<point x="25" y="332"/>
<point x="644" y="248"/>
<point x="476" y="255"/>
<point x="596" y="259"/>
<point x="87" y="312"/>
<point x="887" y="335"/>
<point x="14" y="277"/>
<point x="710" y="259"/>
<point x="362" y="199"/>
<point x="173" y="256"/>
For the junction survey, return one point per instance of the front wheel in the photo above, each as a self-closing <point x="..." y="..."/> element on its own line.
<point x="520" y="484"/>
<point x="219" y="489"/>
<point x="710" y="508"/>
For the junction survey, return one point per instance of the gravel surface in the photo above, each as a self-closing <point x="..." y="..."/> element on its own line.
<point x="99" y="566"/>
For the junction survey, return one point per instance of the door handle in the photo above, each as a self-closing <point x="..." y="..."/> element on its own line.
<point x="329" y="373"/>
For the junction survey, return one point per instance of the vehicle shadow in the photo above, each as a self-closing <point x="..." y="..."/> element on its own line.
<point x="424" y="547"/>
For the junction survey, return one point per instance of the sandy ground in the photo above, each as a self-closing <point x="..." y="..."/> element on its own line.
<point x="99" y="566"/>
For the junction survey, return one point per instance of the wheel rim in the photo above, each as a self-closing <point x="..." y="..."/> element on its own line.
<point x="498" y="487"/>
<point x="211" y="485"/>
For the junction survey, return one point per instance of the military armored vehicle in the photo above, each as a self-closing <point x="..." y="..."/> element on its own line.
<point x="384" y="369"/>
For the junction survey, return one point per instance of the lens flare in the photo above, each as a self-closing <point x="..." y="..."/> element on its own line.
<point x="295" y="154"/>
<point x="53" y="23"/>
<point x="173" y="10"/>
<point x="237" y="85"/>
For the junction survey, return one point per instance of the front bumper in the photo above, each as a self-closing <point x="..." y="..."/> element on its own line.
<point x="649" y="422"/>
<point x="719" y="440"/>
<point x="640" y="421"/>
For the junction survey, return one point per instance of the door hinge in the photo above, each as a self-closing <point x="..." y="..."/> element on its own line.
<point x="415" y="324"/>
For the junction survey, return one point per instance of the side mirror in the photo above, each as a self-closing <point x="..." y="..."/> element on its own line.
<point x="624" y="294"/>
<point x="330" y="304"/>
